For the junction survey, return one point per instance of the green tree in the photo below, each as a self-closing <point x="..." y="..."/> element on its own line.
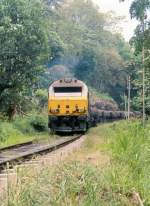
<point x="27" y="43"/>
<point x="93" y="52"/>
<point x="23" y="40"/>
<point x="141" y="42"/>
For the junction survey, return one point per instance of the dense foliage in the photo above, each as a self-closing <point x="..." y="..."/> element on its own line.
<point x="93" y="52"/>
<point x="23" y="45"/>
<point x="24" y="40"/>
<point x="33" y="126"/>
<point x="44" y="40"/>
<point x="140" y="41"/>
<point x="139" y="9"/>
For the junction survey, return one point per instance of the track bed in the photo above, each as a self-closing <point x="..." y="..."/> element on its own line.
<point x="18" y="153"/>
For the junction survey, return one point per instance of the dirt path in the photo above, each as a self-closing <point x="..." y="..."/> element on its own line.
<point x="93" y="150"/>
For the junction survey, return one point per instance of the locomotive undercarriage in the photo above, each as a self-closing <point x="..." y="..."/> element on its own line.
<point x="68" y="123"/>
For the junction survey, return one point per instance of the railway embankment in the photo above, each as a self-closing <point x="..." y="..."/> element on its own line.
<point x="110" y="168"/>
<point x="24" y="129"/>
<point x="47" y="156"/>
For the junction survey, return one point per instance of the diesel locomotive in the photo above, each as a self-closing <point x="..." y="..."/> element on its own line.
<point x="68" y="106"/>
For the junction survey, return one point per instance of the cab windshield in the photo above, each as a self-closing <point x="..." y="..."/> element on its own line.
<point x="68" y="91"/>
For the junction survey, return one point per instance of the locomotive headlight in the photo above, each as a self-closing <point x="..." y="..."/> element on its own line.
<point x="54" y="111"/>
<point x="81" y="110"/>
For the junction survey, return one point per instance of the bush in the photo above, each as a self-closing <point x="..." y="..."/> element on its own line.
<point x="41" y="97"/>
<point x="3" y="117"/>
<point x="30" y="124"/>
<point x="38" y="122"/>
<point x="22" y="129"/>
<point x="23" y="125"/>
<point x="7" y="131"/>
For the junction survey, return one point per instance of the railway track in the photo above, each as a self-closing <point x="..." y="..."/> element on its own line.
<point x="16" y="146"/>
<point x="17" y="154"/>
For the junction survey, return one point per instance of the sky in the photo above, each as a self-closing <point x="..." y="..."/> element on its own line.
<point x="120" y="9"/>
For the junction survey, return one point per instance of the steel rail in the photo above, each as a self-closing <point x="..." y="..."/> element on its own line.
<point x="16" y="146"/>
<point x="16" y="155"/>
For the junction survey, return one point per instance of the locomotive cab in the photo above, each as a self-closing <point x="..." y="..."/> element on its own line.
<point x="68" y="105"/>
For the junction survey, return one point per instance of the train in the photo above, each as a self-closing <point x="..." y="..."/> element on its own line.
<point x="68" y="106"/>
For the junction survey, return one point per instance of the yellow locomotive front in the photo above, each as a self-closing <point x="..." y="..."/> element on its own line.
<point x="68" y="105"/>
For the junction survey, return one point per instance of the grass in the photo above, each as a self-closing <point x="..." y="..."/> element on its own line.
<point x="130" y="148"/>
<point x="79" y="181"/>
<point x="73" y="183"/>
<point x="22" y="129"/>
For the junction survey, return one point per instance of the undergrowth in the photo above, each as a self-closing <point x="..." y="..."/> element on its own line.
<point x="82" y="183"/>
<point x="23" y="129"/>
<point x="130" y="168"/>
<point x="69" y="184"/>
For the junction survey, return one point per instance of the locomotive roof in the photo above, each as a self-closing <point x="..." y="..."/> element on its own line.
<point x="68" y="83"/>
